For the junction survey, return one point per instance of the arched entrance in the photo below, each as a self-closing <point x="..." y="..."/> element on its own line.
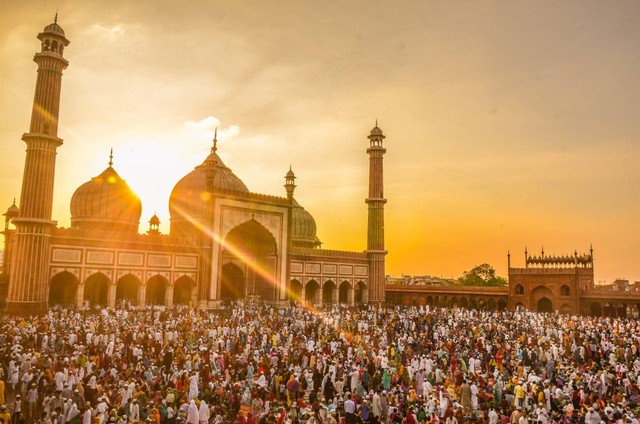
<point x="343" y="292"/>
<point x="596" y="309"/>
<point x="541" y="299"/>
<point x="183" y="290"/>
<point x="232" y="282"/>
<point x="328" y="292"/>
<point x="295" y="291"/>
<point x="156" y="290"/>
<point x="545" y="305"/>
<point x="361" y="294"/>
<point x="96" y="289"/>
<point x="255" y="247"/>
<point x="62" y="290"/>
<point x="127" y="289"/>
<point x="312" y="293"/>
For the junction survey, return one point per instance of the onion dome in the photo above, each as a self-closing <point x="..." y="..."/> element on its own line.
<point x="154" y="220"/>
<point x="106" y="202"/>
<point x="303" y="227"/>
<point x="188" y="197"/>
<point x="54" y="28"/>
<point x="376" y="131"/>
<point x="12" y="211"/>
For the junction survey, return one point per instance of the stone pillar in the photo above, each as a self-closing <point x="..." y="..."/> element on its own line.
<point x="351" y="296"/>
<point x="168" y="296"/>
<point x="142" y="295"/>
<point x="111" y="295"/>
<point x="80" y="296"/>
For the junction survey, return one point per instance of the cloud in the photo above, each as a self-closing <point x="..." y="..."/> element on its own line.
<point x="207" y="126"/>
<point x="109" y="33"/>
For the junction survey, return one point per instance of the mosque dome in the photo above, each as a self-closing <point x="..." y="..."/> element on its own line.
<point x="54" y="28"/>
<point x="106" y="202"/>
<point x="303" y="227"/>
<point x="154" y="220"/>
<point x="187" y="201"/>
<point x="376" y="131"/>
<point x="12" y="211"/>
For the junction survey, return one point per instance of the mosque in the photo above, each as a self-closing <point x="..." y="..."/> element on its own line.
<point x="225" y="242"/>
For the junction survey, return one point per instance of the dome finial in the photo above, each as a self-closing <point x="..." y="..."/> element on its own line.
<point x="215" y="141"/>
<point x="55" y="19"/>
<point x="111" y="158"/>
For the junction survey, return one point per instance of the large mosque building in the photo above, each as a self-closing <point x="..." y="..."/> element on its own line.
<point x="225" y="242"/>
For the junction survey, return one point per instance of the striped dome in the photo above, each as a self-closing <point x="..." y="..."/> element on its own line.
<point x="106" y="202"/>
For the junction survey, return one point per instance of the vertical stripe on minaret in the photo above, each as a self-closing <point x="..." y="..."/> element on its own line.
<point x="375" y="234"/>
<point x="28" y="278"/>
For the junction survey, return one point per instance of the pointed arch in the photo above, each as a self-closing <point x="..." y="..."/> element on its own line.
<point x="63" y="289"/>
<point x="184" y="291"/>
<point x="343" y="292"/>
<point x="156" y="290"/>
<point x="295" y="291"/>
<point x="255" y="247"/>
<point x="545" y="305"/>
<point x="329" y="295"/>
<point x="361" y="294"/>
<point x="96" y="289"/>
<point x="127" y="289"/>
<point x="312" y="293"/>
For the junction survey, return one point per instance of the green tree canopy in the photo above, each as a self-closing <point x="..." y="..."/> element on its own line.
<point x="482" y="275"/>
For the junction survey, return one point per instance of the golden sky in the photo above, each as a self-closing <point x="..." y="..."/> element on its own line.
<point x="508" y="123"/>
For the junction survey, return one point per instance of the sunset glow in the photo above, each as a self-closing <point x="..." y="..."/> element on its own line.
<point x="508" y="124"/>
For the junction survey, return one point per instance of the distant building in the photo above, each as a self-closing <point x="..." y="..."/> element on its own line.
<point x="420" y="280"/>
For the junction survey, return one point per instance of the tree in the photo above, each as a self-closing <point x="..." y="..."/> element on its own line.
<point x="482" y="275"/>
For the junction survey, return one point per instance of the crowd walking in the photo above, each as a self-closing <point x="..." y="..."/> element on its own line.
<point x="256" y="364"/>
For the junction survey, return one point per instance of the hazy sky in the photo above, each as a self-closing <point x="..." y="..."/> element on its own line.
<point x="508" y="123"/>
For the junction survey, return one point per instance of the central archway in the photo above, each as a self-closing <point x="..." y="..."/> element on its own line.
<point x="255" y="248"/>
<point x="232" y="281"/>
<point x="545" y="305"/>
<point x="541" y="299"/>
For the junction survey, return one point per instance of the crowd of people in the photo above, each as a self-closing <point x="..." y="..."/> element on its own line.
<point x="256" y="364"/>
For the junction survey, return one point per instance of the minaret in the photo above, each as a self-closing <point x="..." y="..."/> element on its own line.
<point x="375" y="234"/>
<point x="29" y="277"/>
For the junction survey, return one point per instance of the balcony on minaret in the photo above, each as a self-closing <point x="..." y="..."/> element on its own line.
<point x="376" y="136"/>
<point x="53" y="39"/>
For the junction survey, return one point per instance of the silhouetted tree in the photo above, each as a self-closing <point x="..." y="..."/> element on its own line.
<point x="482" y="275"/>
